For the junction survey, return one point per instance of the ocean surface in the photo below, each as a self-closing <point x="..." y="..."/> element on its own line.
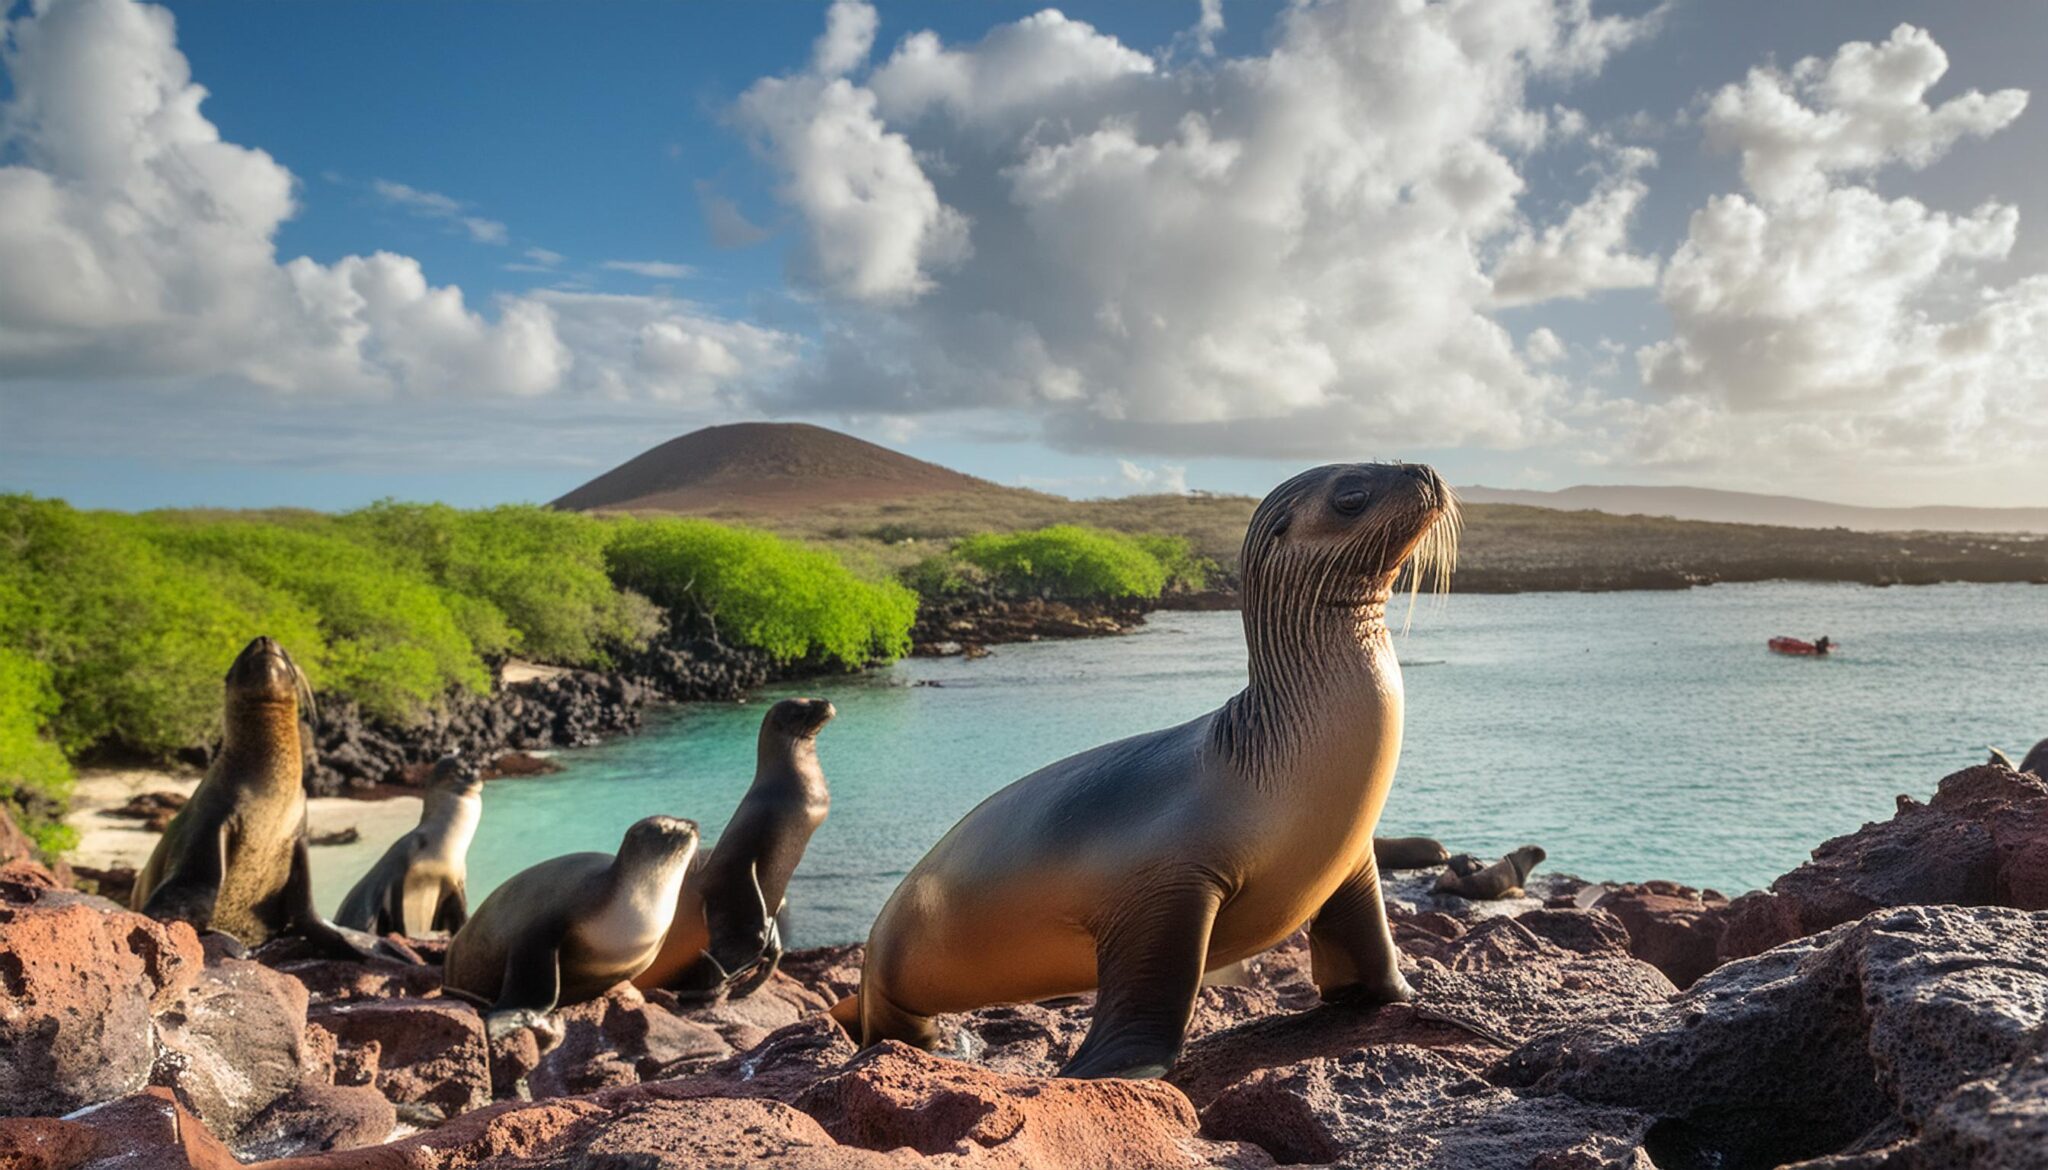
<point x="1632" y="735"/>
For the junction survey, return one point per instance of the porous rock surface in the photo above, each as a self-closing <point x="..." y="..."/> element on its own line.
<point x="1547" y="1031"/>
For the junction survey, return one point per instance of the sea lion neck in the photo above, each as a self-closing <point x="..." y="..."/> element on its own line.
<point x="775" y="749"/>
<point x="261" y="738"/>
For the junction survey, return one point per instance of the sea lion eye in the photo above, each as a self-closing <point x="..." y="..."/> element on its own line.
<point x="1350" y="498"/>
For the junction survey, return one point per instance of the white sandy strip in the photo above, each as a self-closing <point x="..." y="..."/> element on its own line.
<point x="105" y="842"/>
<point x="518" y="670"/>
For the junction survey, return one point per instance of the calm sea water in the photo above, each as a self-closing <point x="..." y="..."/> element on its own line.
<point x="1632" y="735"/>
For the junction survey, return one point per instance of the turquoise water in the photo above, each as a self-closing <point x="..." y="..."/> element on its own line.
<point x="1632" y="735"/>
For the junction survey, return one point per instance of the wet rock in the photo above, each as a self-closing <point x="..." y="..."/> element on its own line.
<point x="620" y="1039"/>
<point x="433" y="1060"/>
<point x="1982" y="841"/>
<point x="1849" y="1040"/>
<point x="1674" y="928"/>
<point x="153" y="809"/>
<point x="234" y="1043"/>
<point x="79" y="979"/>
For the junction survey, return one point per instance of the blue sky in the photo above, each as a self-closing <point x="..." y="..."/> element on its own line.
<point x="1099" y="252"/>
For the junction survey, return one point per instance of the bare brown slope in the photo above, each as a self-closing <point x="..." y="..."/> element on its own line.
<point x="766" y="468"/>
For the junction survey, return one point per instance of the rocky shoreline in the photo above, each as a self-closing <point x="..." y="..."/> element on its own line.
<point x="1883" y="1006"/>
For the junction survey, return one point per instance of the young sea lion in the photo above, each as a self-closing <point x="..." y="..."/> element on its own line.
<point x="567" y="930"/>
<point x="1138" y="865"/>
<point x="1408" y="852"/>
<point x="725" y="935"/>
<point x="234" y="858"/>
<point x="1468" y="877"/>
<point x="419" y="884"/>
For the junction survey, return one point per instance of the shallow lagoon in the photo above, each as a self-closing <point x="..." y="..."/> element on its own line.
<point x="1633" y="735"/>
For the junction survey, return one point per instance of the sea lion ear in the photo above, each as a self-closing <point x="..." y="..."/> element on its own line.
<point x="1280" y="526"/>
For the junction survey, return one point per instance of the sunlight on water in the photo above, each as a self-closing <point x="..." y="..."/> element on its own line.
<point x="1633" y="735"/>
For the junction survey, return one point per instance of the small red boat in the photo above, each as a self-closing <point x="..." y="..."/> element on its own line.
<point x="1796" y="646"/>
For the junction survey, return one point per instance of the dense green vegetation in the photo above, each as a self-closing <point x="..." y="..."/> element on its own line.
<point x="796" y="603"/>
<point x="1064" y="561"/>
<point x="116" y="629"/>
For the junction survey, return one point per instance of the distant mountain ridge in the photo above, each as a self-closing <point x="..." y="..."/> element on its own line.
<point x="1690" y="503"/>
<point x="767" y="467"/>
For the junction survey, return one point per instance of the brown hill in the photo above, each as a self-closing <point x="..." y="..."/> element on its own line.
<point x="762" y="468"/>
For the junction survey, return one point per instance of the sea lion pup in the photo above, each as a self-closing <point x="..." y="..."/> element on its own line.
<point x="1136" y="866"/>
<point x="725" y="935"/>
<point x="1468" y="877"/>
<point x="1409" y="852"/>
<point x="419" y="884"/>
<point x="234" y="858"/>
<point x="569" y="929"/>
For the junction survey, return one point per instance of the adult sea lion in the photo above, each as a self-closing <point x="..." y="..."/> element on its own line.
<point x="1408" y="852"/>
<point x="1136" y="866"/>
<point x="1468" y="877"/>
<point x="567" y="930"/>
<point x="234" y="858"/>
<point x="419" y="884"/>
<point x="725" y="934"/>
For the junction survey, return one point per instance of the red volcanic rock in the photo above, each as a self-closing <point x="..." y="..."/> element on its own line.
<point x="78" y="981"/>
<point x="43" y="1143"/>
<point x="1674" y="928"/>
<point x="150" y="1129"/>
<point x="689" y="1135"/>
<point x="14" y="844"/>
<point x="743" y="1023"/>
<point x="620" y="1039"/>
<point x="894" y="1096"/>
<point x="433" y="1060"/>
<point x="831" y="973"/>
<point x="337" y="980"/>
<point x="1909" y="1020"/>
<point x="235" y="1043"/>
<point x="316" y="1117"/>
<point x="1982" y="841"/>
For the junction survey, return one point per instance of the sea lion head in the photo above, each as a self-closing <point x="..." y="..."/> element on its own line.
<point x="1526" y="859"/>
<point x="659" y="841"/>
<point x="1339" y="535"/>
<point x="798" y="719"/>
<point x="263" y="675"/>
<point x="455" y="776"/>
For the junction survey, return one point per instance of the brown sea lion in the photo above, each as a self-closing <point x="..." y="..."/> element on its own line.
<point x="1468" y="877"/>
<point x="1135" y="867"/>
<point x="726" y="935"/>
<point x="1408" y="852"/>
<point x="234" y="858"/>
<point x="419" y="885"/>
<point x="2036" y="761"/>
<point x="569" y="929"/>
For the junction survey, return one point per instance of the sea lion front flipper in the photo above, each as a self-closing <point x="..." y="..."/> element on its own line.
<point x="529" y="991"/>
<point x="1149" y="959"/>
<point x="305" y="920"/>
<point x="190" y="892"/>
<point x="1351" y="946"/>
<point x="736" y="915"/>
<point x="453" y="910"/>
<point x="2000" y="759"/>
<point x="771" y="958"/>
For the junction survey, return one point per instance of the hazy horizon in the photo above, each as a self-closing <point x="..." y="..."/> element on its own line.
<point x="320" y="254"/>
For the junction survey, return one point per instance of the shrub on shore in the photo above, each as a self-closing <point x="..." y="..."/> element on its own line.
<point x="35" y="778"/>
<point x="117" y="628"/>
<point x="760" y="590"/>
<point x="1065" y="561"/>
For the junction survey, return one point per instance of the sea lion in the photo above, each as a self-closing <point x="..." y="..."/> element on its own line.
<point x="1468" y="877"/>
<point x="1136" y="866"/>
<point x="234" y="858"/>
<point x="1408" y="852"/>
<point x="569" y="929"/>
<point x="725" y="935"/>
<point x="2036" y="761"/>
<point x="419" y="884"/>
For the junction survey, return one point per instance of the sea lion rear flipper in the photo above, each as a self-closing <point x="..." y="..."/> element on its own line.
<point x="1149" y="960"/>
<point x="190" y="891"/>
<point x="1351" y="946"/>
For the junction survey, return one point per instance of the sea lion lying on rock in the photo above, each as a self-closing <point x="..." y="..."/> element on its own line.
<point x="1135" y="867"/>
<point x="1468" y="877"/>
<point x="2036" y="761"/>
<point x="1409" y="852"/>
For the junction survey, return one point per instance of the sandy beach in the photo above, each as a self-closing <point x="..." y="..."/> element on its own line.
<point x="105" y="842"/>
